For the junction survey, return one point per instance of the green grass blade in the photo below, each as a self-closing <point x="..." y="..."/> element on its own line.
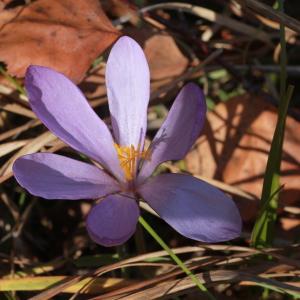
<point x="13" y="81"/>
<point x="262" y="234"/>
<point x="176" y="259"/>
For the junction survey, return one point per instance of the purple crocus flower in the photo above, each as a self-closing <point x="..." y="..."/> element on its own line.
<point x="192" y="207"/>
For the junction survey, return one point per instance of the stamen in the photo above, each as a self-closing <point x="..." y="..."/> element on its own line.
<point x="128" y="158"/>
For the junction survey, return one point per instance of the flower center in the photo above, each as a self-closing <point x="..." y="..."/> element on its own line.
<point x="128" y="157"/>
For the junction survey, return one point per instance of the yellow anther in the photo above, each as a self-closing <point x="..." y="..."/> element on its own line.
<point x="128" y="158"/>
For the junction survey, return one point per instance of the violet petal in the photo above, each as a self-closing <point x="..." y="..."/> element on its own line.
<point x="53" y="176"/>
<point x="193" y="207"/>
<point x="128" y="88"/>
<point x="179" y="131"/>
<point x="62" y="107"/>
<point x="113" y="221"/>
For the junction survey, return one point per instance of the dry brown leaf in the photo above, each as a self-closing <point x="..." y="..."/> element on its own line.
<point x="165" y="58"/>
<point x="235" y="146"/>
<point x="65" y="35"/>
<point x="3" y="3"/>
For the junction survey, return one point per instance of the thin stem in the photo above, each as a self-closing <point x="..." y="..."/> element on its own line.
<point x="177" y="260"/>
<point x="12" y="80"/>
<point x="263" y="231"/>
<point x="283" y="57"/>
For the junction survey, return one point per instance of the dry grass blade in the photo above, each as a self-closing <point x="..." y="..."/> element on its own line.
<point x="214" y="17"/>
<point x="217" y="183"/>
<point x="17" y="109"/>
<point x="292" y="209"/>
<point x="10" y="205"/>
<point x="177" y="287"/>
<point x="31" y="147"/>
<point x="166" y="88"/>
<point x="140" y="284"/>
<point x="56" y="146"/>
<point x="193" y="264"/>
<point x="20" y="222"/>
<point x="9" y="92"/>
<point x="147" y="208"/>
<point x="17" y="130"/>
<point x="271" y="13"/>
<point x="203" y="261"/>
<point x="51" y="292"/>
<point x="96" y="285"/>
<point x="12" y="146"/>
<point x="65" y="283"/>
<point x="5" y="177"/>
<point x="226" y="187"/>
<point x="40" y="268"/>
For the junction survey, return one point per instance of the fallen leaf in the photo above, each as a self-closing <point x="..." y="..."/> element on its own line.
<point x="235" y="146"/>
<point x="4" y="3"/>
<point x="65" y="35"/>
<point x="164" y="57"/>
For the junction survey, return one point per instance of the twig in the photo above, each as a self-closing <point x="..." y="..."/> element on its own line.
<point x="186" y="75"/>
<point x="269" y="12"/>
<point x="212" y="16"/>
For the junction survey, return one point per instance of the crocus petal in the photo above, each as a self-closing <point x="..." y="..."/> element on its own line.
<point x="128" y="88"/>
<point x="194" y="208"/>
<point x="53" y="176"/>
<point x="113" y="221"/>
<point x="179" y="131"/>
<point x="64" y="110"/>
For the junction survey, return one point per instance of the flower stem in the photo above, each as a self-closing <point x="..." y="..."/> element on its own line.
<point x="177" y="260"/>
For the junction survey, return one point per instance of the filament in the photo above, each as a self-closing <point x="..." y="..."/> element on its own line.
<point x="128" y="157"/>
